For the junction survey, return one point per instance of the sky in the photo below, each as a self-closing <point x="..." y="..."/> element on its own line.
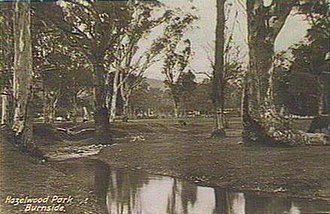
<point x="203" y="34"/>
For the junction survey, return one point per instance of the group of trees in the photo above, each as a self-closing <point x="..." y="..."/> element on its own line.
<point x="63" y="51"/>
<point x="88" y="54"/>
<point x="193" y="98"/>
<point x="307" y="66"/>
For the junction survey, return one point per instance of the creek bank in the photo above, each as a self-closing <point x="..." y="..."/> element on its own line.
<point x="22" y="175"/>
<point x="188" y="152"/>
<point x="167" y="148"/>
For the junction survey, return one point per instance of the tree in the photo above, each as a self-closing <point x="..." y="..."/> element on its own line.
<point x="92" y="28"/>
<point x="311" y="57"/>
<point x="186" y="87"/>
<point x="22" y="82"/>
<point x="203" y="97"/>
<point x="174" y="65"/>
<point x="261" y="121"/>
<point x="218" y="72"/>
<point x="177" y="54"/>
<point x="130" y="64"/>
<point x="60" y="72"/>
<point x="227" y="69"/>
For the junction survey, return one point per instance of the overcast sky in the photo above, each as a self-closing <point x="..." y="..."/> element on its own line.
<point x="203" y="35"/>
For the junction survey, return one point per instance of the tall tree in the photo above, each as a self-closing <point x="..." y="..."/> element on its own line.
<point x="318" y="36"/>
<point x="174" y="65"/>
<point x="22" y="87"/>
<point x="62" y="72"/>
<point x="218" y="72"/>
<point x="177" y="54"/>
<point x="261" y="121"/>
<point x="130" y="64"/>
<point x="93" y="29"/>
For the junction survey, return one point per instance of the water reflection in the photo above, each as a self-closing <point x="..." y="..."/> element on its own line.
<point x="126" y="192"/>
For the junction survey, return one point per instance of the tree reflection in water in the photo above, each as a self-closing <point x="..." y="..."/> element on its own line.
<point x="124" y="191"/>
<point x="129" y="192"/>
<point x="185" y="191"/>
<point x="188" y="195"/>
<point x="228" y="202"/>
<point x="101" y="182"/>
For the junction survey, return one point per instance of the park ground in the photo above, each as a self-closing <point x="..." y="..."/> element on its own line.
<point x="166" y="147"/>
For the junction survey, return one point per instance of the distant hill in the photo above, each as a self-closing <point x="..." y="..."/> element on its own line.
<point x="154" y="83"/>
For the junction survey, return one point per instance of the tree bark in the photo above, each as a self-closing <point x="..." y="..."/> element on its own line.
<point x="218" y="73"/>
<point x="101" y="114"/>
<point x="113" y="106"/>
<point x="262" y="124"/>
<point x="125" y="95"/>
<point x="22" y="87"/>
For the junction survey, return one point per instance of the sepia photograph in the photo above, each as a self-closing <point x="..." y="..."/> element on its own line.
<point x="165" y="106"/>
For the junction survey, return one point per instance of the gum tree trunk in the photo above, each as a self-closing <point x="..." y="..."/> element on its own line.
<point x="262" y="124"/>
<point x="126" y="97"/>
<point x="22" y="87"/>
<point x="101" y="114"/>
<point x="218" y="73"/>
<point x="125" y="93"/>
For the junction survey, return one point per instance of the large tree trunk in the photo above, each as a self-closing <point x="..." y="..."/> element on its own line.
<point x="101" y="114"/>
<point x="218" y="73"/>
<point x="85" y="114"/>
<point x="261" y="51"/>
<point x="262" y="123"/>
<point x="22" y="87"/>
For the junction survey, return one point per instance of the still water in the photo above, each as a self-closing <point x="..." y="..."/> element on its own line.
<point x="131" y="192"/>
